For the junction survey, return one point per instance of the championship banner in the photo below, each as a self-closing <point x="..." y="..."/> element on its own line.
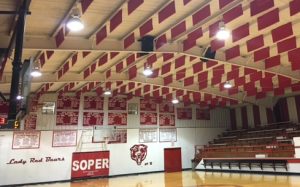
<point x="117" y="103"/>
<point x="117" y="118"/>
<point x="202" y="114"/>
<point x="93" y="103"/>
<point x="68" y="103"/>
<point x="184" y="113"/>
<point x="90" y="164"/>
<point x="65" y="138"/>
<point x="26" y="139"/>
<point x="93" y="118"/>
<point x="148" y="135"/>
<point x="148" y="105"/>
<point x="166" y="120"/>
<point x="148" y="118"/>
<point x="166" y="107"/>
<point x="30" y="122"/>
<point x="33" y="105"/>
<point x="66" y="118"/>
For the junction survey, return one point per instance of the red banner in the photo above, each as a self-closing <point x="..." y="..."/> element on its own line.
<point x="117" y="118"/>
<point x="148" y="118"/>
<point x="166" y="119"/>
<point x="166" y="107"/>
<point x="66" y="118"/>
<point x="92" y="118"/>
<point x="202" y="114"/>
<point x="184" y="113"/>
<point x="117" y="103"/>
<point x="30" y="122"/>
<point x="3" y="107"/>
<point x="93" y="103"/>
<point x="147" y="105"/>
<point x="90" y="164"/>
<point x="33" y="105"/>
<point x="68" y="103"/>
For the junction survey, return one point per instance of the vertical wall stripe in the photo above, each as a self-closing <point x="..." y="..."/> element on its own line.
<point x="233" y="119"/>
<point x="269" y="114"/>
<point x="250" y="118"/>
<point x="285" y="110"/>
<point x="256" y="116"/>
<point x="297" y="101"/>
<point x="244" y="117"/>
<point x="292" y="109"/>
<point x="238" y="117"/>
<point x="263" y="115"/>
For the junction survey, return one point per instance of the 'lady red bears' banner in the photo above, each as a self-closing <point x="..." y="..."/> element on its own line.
<point x="117" y="103"/>
<point x="117" y="118"/>
<point x="148" y="105"/>
<point x="166" y="120"/>
<point x="202" y="114"/>
<point x="90" y="164"/>
<point x="93" y="103"/>
<point x="68" y="103"/>
<point x="166" y="107"/>
<point x="66" y="118"/>
<point x="93" y="118"/>
<point x="148" y="118"/>
<point x="184" y="113"/>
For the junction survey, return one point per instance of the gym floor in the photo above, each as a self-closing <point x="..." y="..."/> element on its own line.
<point x="187" y="179"/>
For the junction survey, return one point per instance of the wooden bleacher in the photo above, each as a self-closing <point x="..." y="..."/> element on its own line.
<point x="266" y="146"/>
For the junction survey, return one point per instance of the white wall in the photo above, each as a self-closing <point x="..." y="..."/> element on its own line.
<point x="120" y="161"/>
<point x="189" y="133"/>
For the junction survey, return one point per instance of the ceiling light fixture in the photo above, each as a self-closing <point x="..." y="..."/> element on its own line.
<point x="223" y="33"/>
<point x="36" y="72"/>
<point x="175" y="101"/>
<point x="107" y="92"/>
<point x="148" y="71"/>
<point x="227" y="85"/>
<point x="75" y="24"/>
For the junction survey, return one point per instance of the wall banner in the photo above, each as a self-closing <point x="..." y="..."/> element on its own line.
<point x="90" y="164"/>
<point x="65" y="138"/>
<point x="26" y="140"/>
<point x="148" y="135"/>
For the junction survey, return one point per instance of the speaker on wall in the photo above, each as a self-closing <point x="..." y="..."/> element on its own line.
<point x="208" y="54"/>
<point x="147" y="44"/>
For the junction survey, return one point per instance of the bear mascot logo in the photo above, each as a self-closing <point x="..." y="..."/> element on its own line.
<point x="138" y="153"/>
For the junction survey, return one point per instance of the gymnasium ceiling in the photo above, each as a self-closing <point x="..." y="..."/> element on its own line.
<point x="261" y="59"/>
